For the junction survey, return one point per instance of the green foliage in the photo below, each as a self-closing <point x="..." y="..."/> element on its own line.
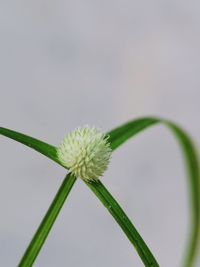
<point x="121" y="134"/>
<point x="116" y="138"/>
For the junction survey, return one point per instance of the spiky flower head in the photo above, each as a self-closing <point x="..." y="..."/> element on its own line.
<point x="85" y="152"/>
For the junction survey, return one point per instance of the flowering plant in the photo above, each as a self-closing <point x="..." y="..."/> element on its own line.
<point x="86" y="154"/>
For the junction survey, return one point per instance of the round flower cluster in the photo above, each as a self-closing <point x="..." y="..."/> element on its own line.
<point x="85" y="152"/>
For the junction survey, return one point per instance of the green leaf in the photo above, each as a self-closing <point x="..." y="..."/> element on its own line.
<point x="47" y="223"/>
<point x="121" y="134"/>
<point x="40" y="146"/>
<point x="121" y="218"/>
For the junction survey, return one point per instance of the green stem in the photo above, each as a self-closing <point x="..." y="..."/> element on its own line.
<point x="47" y="223"/>
<point x="121" y="218"/>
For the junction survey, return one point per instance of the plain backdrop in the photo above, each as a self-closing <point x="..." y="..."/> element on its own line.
<point x="68" y="63"/>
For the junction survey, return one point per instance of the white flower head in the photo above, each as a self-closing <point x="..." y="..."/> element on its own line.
<point x="85" y="152"/>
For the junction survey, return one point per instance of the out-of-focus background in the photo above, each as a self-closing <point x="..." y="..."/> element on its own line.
<point x="68" y="63"/>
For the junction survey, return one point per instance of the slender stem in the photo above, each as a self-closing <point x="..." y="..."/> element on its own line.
<point x="47" y="223"/>
<point x="119" y="215"/>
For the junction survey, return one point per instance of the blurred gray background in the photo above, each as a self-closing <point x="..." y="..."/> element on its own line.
<point x="64" y="64"/>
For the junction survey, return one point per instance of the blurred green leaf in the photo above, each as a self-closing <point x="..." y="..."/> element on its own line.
<point x="121" y="134"/>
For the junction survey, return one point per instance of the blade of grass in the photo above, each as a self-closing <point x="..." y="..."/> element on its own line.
<point x="193" y="170"/>
<point x="47" y="223"/>
<point x="122" y="219"/>
<point x="40" y="146"/>
<point x="121" y="134"/>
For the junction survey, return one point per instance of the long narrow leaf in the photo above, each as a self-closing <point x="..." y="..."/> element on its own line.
<point x="47" y="223"/>
<point x="40" y="146"/>
<point x="121" y="134"/>
<point x="122" y="219"/>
